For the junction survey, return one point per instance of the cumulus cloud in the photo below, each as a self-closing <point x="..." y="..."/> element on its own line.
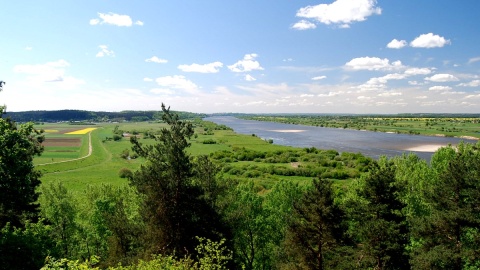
<point x="429" y="41"/>
<point x="440" y="88"/>
<point x="248" y="63"/>
<point x="249" y="78"/>
<point x="177" y="82"/>
<point x="372" y="63"/>
<point x="379" y="83"/>
<point x="396" y="44"/>
<point x="114" y="19"/>
<point x="304" y="25"/>
<point x="341" y="12"/>
<point x="206" y="68"/>
<point x="473" y="83"/>
<point x="319" y="78"/>
<point x="442" y="78"/>
<point x="155" y="59"/>
<point x="418" y="71"/>
<point x="104" y="51"/>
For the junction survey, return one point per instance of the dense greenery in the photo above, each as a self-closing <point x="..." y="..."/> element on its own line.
<point x="179" y="210"/>
<point x="91" y="116"/>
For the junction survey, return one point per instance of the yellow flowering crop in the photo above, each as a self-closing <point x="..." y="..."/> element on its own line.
<point x="81" y="131"/>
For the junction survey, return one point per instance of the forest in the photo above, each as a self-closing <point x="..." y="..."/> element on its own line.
<point x="184" y="211"/>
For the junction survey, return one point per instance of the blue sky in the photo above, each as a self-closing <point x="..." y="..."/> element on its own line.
<point x="343" y="56"/>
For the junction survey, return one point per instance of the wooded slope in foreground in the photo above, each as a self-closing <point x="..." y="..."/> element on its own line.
<point x="179" y="212"/>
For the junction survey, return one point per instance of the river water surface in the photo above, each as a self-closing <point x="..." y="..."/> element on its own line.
<point x="369" y="143"/>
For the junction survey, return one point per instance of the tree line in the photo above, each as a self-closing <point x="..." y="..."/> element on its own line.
<point x="179" y="213"/>
<point x="92" y="116"/>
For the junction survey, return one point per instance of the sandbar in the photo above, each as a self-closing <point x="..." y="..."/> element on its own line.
<point x="425" y="148"/>
<point x="288" y="130"/>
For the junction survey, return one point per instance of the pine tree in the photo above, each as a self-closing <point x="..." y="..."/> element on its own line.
<point x="315" y="234"/>
<point x="174" y="209"/>
<point x="381" y="226"/>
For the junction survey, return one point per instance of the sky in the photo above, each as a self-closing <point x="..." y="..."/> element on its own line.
<point x="249" y="56"/>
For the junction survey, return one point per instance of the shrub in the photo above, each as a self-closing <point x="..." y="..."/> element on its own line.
<point x="125" y="173"/>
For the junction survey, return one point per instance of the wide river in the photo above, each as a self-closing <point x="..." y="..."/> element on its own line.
<point x="369" y="143"/>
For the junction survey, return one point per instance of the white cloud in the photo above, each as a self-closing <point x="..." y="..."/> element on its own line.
<point x="155" y="59"/>
<point x="51" y="72"/>
<point x="28" y="48"/>
<point x="341" y="12"/>
<point x="319" y="78"/>
<point x="104" y="51"/>
<point x="162" y="91"/>
<point x="206" y="68"/>
<point x="473" y="60"/>
<point x="440" y="88"/>
<point x="247" y="64"/>
<point x="249" y="78"/>
<point x="389" y="94"/>
<point x="418" y="71"/>
<point x="147" y="79"/>
<point x="304" y="25"/>
<point x="177" y="82"/>
<point x="396" y="44"/>
<point x="442" y="78"/>
<point x="114" y="19"/>
<point x="429" y="41"/>
<point x="372" y="63"/>
<point x="379" y="83"/>
<point x="473" y="83"/>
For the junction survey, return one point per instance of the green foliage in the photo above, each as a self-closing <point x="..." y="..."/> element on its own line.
<point x="18" y="177"/>
<point x="448" y="235"/>
<point x="174" y="209"/>
<point x="60" y="264"/>
<point x="244" y="213"/>
<point x="26" y="248"/>
<point x="125" y="173"/>
<point x="212" y="255"/>
<point x="316" y="230"/>
<point x="379" y="223"/>
<point x="59" y="208"/>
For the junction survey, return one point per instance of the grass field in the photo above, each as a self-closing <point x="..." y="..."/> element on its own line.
<point x="104" y="164"/>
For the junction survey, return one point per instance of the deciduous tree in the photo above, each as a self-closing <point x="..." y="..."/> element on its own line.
<point x="18" y="177"/>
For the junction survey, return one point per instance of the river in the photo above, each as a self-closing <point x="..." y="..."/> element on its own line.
<point x="369" y="143"/>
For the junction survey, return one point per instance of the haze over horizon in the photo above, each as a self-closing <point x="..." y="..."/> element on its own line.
<point x="343" y="56"/>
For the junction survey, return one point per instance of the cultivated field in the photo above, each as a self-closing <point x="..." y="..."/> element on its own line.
<point x="105" y="161"/>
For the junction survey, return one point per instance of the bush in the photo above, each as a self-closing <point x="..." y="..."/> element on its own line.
<point x="209" y="141"/>
<point x="117" y="137"/>
<point x="125" y="173"/>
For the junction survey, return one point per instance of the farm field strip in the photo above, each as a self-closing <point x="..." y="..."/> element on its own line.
<point x="67" y="145"/>
<point x="81" y="131"/>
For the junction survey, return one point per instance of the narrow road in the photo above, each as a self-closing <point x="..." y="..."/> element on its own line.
<point x="90" y="150"/>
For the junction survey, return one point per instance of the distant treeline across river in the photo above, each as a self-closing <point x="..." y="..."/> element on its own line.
<point x="369" y="143"/>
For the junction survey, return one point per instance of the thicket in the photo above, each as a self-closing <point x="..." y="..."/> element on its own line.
<point x="184" y="212"/>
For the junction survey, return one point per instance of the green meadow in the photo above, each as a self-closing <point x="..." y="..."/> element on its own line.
<point x="105" y="161"/>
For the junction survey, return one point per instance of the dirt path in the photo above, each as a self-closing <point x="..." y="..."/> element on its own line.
<point x="90" y="150"/>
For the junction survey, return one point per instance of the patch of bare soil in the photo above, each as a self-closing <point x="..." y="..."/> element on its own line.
<point x="63" y="142"/>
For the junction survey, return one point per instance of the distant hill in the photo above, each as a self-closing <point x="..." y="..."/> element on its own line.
<point x="90" y="116"/>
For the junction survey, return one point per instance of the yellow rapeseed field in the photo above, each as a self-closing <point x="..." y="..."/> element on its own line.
<point x="81" y="131"/>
